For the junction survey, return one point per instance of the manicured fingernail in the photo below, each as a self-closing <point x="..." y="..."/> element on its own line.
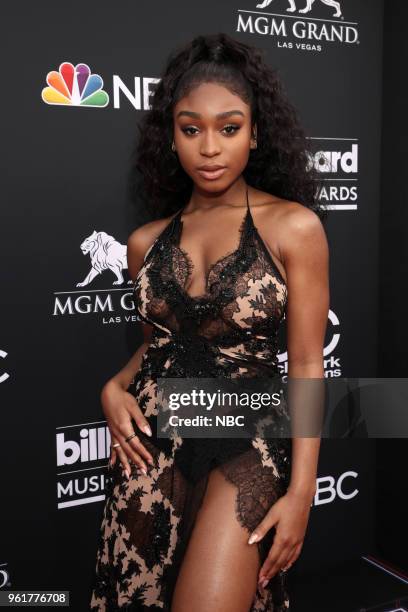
<point x="127" y="474"/>
<point x="254" y="537"/>
<point x="264" y="582"/>
<point x="143" y="471"/>
<point x="147" y="430"/>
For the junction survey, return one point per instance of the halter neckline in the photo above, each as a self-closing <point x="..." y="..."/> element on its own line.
<point x="243" y="232"/>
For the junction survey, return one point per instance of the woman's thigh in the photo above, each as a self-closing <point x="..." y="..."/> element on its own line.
<point x="220" y="569"/>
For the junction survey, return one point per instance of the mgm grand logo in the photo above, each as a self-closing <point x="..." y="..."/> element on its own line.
<point x="303" y="30"/>
<point x="105" y="288"/>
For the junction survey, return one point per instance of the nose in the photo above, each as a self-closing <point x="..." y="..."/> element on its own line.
<point x="209" y="145"/>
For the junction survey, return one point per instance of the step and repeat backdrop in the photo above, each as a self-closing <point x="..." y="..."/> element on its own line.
<point x="78" y="79"/>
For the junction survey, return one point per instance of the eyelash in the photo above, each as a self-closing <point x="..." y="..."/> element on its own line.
<point x="230" y="125"/>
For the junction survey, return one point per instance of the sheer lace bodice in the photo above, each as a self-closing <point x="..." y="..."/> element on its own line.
<point x="233" y="326"/>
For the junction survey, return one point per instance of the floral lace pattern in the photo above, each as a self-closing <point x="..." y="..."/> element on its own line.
<point x="230" y="331"/>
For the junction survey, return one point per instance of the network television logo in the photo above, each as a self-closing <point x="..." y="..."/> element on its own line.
<point x="74" y="86"/>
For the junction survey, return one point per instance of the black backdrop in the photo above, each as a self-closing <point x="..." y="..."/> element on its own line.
<point x="66" y="178"/>
<point x="392" y="535"/>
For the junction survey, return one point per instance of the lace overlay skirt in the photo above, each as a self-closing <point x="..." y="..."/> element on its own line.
<point x="147" y="520"/>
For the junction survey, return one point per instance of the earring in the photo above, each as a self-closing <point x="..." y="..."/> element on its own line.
<point x="173" y="146"/>
<point x="255" y="142"/>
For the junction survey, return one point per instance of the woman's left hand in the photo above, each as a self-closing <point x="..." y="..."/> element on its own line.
<point x="290" y="515"/>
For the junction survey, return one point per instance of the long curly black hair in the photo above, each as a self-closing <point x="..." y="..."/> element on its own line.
<point x="280" y="165"/>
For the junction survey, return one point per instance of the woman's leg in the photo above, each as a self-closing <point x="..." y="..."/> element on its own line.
<point x="219" y="570"/>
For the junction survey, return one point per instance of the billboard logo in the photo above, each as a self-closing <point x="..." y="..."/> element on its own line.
<point x="292" y="6"/>
<point x="74" y="86"/>
<point x="82" y="451"/>
<point x="334" y="162"/>
<point x="91" y="444"/>
<point x="338" y="166"/>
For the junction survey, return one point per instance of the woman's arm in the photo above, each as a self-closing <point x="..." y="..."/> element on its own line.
<point x="304" y="253"/>
<point x="118" y="405"/>
<point x="138" y="243"/>
<point x="305" y="256"/>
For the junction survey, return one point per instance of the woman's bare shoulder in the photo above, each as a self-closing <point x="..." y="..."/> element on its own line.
<point x="141" y="239"/>
<point x="285" y="215"/>
<point x="298" y="228"/>
<point x="287" y="226"/>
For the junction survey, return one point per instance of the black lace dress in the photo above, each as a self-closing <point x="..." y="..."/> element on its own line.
<point x="229" y="331"/>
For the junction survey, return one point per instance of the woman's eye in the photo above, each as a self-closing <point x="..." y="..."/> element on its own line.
<point x="231" y="128"/>
<point x="186" y="130"/>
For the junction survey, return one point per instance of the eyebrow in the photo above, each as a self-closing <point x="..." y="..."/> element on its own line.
<point x="219" y="116"/>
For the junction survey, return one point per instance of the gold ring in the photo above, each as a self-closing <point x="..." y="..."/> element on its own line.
<point x="133" y="435"/>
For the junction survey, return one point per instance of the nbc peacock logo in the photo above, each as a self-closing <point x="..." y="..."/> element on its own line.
<point x="74" y="86"/>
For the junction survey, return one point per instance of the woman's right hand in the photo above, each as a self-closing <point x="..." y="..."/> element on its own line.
<point x="119" y="406"/>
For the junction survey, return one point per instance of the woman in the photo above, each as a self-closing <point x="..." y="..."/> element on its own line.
<point x="213" y="281"/>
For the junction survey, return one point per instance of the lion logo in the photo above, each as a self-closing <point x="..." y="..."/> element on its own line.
<point x="292" y="6"/>
<point x="106" y="253"/>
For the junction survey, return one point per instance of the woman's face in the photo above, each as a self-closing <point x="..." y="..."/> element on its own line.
<point x="212" y="128"/>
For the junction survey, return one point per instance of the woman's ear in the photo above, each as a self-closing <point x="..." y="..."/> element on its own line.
<point x="254" y="137"/>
